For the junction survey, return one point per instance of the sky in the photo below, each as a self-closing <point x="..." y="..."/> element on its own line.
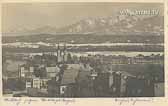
<point x="29" y="16"/>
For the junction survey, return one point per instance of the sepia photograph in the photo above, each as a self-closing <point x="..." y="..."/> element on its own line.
<point x="83" y="49"/>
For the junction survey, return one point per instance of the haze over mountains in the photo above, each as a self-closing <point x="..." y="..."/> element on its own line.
<point x="120" y="25"/>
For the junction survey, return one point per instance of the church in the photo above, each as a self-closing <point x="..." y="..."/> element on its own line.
<point x="61" y="54"/>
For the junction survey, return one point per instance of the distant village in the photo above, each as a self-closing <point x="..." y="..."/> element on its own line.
<point x="65" y="75"/>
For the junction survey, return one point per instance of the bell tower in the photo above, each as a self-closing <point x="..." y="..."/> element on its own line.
<point x="65" y="53"/>
<point x="59" y="59"/>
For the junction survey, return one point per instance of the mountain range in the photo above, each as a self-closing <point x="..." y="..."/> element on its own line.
<point x="119" y="25"/>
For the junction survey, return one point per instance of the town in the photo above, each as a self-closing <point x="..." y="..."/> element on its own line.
<point x="66" y="75"/>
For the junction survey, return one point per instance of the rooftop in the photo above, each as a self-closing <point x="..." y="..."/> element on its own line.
<point x="83" y="75"/>
<point x="52" y="69"/>
<point x="69" y="76"/>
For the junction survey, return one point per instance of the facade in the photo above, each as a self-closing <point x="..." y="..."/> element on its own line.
<point x="26" y="71"/>
<point x="36" y="83"/>
<point x="159" y="89"/>
<point x="28" y="84"/>
<point x="44" y="83"/>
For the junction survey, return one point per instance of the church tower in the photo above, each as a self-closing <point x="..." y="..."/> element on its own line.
<point x="62" y="54"/>
<point x="59" y="57"/>
<point x="65" y="54"/>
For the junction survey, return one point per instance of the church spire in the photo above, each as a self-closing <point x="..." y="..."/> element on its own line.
<point x="64" y="46"/>
<point x="58" y="47"/>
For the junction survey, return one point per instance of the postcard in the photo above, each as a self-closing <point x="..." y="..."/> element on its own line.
<point x="83" y="53"/>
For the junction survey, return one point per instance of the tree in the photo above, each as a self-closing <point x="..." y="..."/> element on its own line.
<point x="40" y="72"/>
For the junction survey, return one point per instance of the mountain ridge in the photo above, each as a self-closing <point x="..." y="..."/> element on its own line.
<point x="106" y="25"/>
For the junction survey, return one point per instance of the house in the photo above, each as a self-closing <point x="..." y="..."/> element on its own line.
<point x="138" y="59"/>
<point x="101" y="85"/>
<point x="68" y="82"/>
<point x="44" y="83"/>
<point x="85" y="86"/>
<point x="159" y="89"/>
<point x="111" y="83"/>
<point x="115" y="83"/>
<point x="135" y="87"/>
<point x="93" y="74"/>
<point x="139" y="87"/>
<point x="36" y="83"/>
<point x="26" y="71"/>
<point x="53" y="88"/>
<point x="28" y="83"/>
<point x="22" y="72"/>
<point x="124" y="76"/>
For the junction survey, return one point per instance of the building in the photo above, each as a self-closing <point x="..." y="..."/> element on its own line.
<point x="159" y="89"/>
<point x="115" y="83"/>
<point x="65" y="54"/>
<point x="35" y="92"/>
<point x="28" y="83"/>
<point x="124" y="76"/>
<point x="93" y="74"/>
<point x="68" y="82"/>
<point x="101" y="85"/>
<point x="52" y="71"/>
<point x="85" y="86"/>
<point x="139" y="87"/>
<point x="26" y="71"/>
<point x="36" y="83"/>
<point x="62" y="55"/>
<point x="53" y="88"/>
<point x="44" y="83"/>
<point x="111" y="83"/>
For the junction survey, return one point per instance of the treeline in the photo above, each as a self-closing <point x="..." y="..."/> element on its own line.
<point x="138" y="48"/>
<point x="83" y="39"/>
